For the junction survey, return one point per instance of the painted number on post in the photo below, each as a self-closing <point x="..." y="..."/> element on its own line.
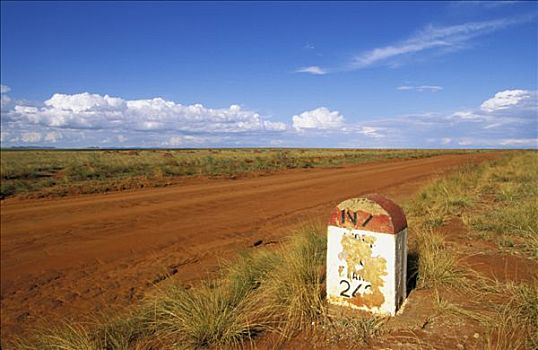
<point x="359" y="288"/>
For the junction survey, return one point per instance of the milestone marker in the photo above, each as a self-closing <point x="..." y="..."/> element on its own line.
<point x="367" y="255"/>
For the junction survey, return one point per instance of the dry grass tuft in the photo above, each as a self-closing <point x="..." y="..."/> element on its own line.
<point x="269" y="290"/>
<point x="358" y="329"/>
<point x="292" y="292"/>
<point x="280" y="290"/>
<point x="64" y="337"/>
<point x="509" y="215"/>
<point x="436" y="266"/>
<point x="515" y="322"/>
<point x="204" y="316"/>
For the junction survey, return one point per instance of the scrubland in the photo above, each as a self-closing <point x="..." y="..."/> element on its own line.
<point x="490" y="210"/>
<point x="41" y="173"/>
<point x="274" y="296"/>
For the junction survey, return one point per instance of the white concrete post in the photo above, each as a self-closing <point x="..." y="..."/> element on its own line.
<point x="367" y="255"/>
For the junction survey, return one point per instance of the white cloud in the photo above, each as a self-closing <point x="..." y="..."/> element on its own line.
<point x="449" y="38"/>
<point x="467" y="115"/>
<point x="189" y="140"/>
<point x="494" y="125"/>
<point x="420" y="88"/>
<point x="84" y="102"/>
<point x="371" y="131"/>
<point x="323" y="119"/>
<point x="319" y="118"/>
<point x="29" y="137"/>
<point x="175" y="141"/>
<point x="25" y="110"/>
<point x="431" y="39"/>
<point x="508" y="119"/>
<point x="316" y="70"/>
<point x="532" y="142"/>
<point x="92" y="111"/>
<point x="513" y="99"/>
<point x="121" y="138"/>
<point x="482" y="3"/>
<point x="466" y="142"/>
<point x="504" y="108"/>
<point x="53" y="136"/>
<point x="277" y="142"/>
<point x="4" y="100"/>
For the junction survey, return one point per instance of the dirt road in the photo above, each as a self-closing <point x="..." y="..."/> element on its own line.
<point x="65" y="257"/>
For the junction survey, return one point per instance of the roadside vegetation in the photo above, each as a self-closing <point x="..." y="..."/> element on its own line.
<point x="496" y="203"/>
<point x="41" y="173"/>
<point x="276" y="294"/>
<point x="277" y="291"/>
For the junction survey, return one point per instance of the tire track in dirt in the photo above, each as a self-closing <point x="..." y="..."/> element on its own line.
<point x="68" y="256"/>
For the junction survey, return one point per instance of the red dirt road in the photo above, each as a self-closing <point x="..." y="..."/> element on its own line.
<point x="66" y="257"/>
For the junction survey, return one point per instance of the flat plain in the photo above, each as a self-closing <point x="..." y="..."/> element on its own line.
<point x="46" y="173"/>
<point x="71" y="256"/>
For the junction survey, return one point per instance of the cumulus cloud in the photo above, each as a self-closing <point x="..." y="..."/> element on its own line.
<point x="121" y="138"/>
<point x="511" y="99"/>
<point x="320" y="118"/>
<point x="175" y="141"/>
<point x="420" y="88"/>
<point x="507" y="119"/>
<point x="30" y="137"/>
<point x="85" y="119"/>
<point x="52" y="136"/>
<point x="324" y="122"/>
<point x="5" y="100"/>
<point x="316" y="70"/>
<point x="93" y="111"/>
<point x="183" y="140"/>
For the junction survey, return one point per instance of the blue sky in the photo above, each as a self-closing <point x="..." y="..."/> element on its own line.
<point x="286" y="74"/>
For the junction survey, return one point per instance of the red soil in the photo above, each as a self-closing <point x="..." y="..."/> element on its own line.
<point x="72" y="256"/>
